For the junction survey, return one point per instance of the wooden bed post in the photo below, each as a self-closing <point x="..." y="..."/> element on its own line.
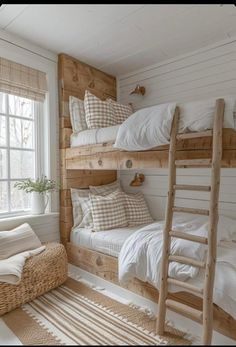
<point x="74" y="78"/>
<point x="213" y="223"/>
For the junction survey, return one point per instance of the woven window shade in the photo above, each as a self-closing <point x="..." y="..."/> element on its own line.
<point x="22" y="80"/>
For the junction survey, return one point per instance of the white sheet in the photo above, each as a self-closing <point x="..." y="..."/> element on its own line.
<point x="141" y="255"/>
<point x="94" y="136"/>
<point x="107" y="242"/>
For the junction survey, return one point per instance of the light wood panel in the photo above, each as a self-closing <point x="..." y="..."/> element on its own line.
<point x="74" y="78"/>
<point x="105" y="156"/>
<point x="106" y="267"/>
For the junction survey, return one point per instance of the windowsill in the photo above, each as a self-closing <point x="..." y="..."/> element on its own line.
<point x="28" y="217"/>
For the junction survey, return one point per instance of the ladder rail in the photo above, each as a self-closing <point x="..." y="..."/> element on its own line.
<point x="206" y="315"/>
<point x="168" y="225"/>
<point x="213" y="222"/>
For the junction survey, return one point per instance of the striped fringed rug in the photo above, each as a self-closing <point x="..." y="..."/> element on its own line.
<point x="75" y="314"/>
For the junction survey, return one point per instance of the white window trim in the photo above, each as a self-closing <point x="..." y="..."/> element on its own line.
<point x="38" y="149"/>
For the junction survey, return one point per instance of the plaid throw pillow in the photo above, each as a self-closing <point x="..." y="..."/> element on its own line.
<point x="136" y="208"/>
<point x="105" y="189"/>
<point x="98" y="113"/>
<point x="82" y="210"/>
<point x="108" y="211"/>
<point x="122" y="112"/>
<point x="77" y="114"/>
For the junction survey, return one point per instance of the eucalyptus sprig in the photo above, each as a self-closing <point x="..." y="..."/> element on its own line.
<point x="40" y="185"/>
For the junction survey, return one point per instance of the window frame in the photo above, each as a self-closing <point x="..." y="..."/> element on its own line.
<point x="38" y="149"/>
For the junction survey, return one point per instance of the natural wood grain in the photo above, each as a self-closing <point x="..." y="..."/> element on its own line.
<point x="190" y="237"/>
<point x="185" y="310"/>
<point x="213" y="223"/>
<point x="187" y="261"/>
<point x="74" y="78"/>
<point x="185" y="285"/>
<point x="191" y="210"/>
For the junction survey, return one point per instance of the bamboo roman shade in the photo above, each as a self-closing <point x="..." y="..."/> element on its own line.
<point x="22" y="80"/>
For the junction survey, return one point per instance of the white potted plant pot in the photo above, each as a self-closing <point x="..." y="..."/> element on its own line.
<point x="38" y="204"/>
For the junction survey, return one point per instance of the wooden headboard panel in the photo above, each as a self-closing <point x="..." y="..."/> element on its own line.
<point x="74" y="78"/>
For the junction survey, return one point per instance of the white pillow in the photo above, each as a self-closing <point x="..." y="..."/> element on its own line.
<point x="137" y="212"/>
<point x="146" y="128"/>
<point x="77" y="114"/>
<point x="98" y="113"/>
<point x="105" y="188"/>
<point x="108" y="211"/>
<point x="82" y="210"/>
<point x="199" y="115"/>
<point x="18" y="240"/>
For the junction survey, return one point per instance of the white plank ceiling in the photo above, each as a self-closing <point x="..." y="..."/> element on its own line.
<point x="120" y="38"/>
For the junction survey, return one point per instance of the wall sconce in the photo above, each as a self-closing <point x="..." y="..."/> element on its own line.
<point x="140" y="90"/>
<point x="138" y="180"/>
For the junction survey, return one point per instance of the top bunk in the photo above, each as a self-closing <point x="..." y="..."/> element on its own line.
<point x="75" y="78"/>
<point x="193" y="149"/>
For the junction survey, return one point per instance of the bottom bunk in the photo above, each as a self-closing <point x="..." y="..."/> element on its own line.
<point x="98" y="253"/>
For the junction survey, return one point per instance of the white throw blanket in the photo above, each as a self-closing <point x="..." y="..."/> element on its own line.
<point x="12" y="267"/>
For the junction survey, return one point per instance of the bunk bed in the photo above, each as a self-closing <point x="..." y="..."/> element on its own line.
<point x="97" y="164"/>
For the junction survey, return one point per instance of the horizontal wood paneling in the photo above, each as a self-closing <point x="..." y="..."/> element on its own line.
<point x="211" y="73"/>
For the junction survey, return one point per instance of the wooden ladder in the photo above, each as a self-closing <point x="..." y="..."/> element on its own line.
<point x="206" y="315"/>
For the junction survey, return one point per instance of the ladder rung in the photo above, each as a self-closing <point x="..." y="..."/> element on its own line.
<point x="185" y="285"/>
<point x="193" y="162"/>
<point x="206" y="133"/>
<point x="187" y="261"/>
<point x="191" y="210"/>
<point x="187" y="311"/>
<point x="190" y="237"/>
<point x="191" y="187"/>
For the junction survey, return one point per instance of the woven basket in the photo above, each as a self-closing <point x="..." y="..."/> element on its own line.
<point x="41" y="273"/>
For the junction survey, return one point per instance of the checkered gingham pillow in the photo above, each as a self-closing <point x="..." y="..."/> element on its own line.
<point x="136" y="208"/>
<point x="82" y="209"/>
<point x="98" y="113"/>
<point x="108" y="211"/>
<point x="122" y="112"/>
<point x="105" y="189"/>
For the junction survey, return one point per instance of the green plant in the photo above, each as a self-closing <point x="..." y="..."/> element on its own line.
<point x="40" y="185"/>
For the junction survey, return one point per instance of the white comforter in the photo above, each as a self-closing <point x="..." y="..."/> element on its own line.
<point x="141" y="253"/>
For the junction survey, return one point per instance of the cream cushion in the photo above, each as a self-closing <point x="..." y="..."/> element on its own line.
<point x="18" y="240"/>
<point x="105" y="188"/>
<point x="82" y="212"/>
<point x="77" y="114"/>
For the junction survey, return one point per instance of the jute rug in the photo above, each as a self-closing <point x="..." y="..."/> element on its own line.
<point x="75" y="314"/>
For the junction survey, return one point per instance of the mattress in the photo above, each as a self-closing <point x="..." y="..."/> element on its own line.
<point x="107" y="242"/>
<point x="110" y="242"/>
<point x="94" y="136"/>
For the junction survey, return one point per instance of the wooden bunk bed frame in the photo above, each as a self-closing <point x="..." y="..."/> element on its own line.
<point x="97" y="164"/>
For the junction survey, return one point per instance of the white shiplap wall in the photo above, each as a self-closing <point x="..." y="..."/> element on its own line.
<point x="206" y="73"/>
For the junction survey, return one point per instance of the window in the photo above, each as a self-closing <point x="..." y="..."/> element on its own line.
<point x="19" y="150"/>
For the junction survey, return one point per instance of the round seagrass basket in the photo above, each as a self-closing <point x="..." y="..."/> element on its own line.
<point x="41" y="273"/>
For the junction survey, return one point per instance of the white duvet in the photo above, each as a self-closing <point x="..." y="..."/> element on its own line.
<point x="151" y="126"/>
<point x="141" y="253"/>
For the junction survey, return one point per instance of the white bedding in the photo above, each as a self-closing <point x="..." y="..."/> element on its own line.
<point x="94" y="136"/>
<point x="151" y="127"/>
